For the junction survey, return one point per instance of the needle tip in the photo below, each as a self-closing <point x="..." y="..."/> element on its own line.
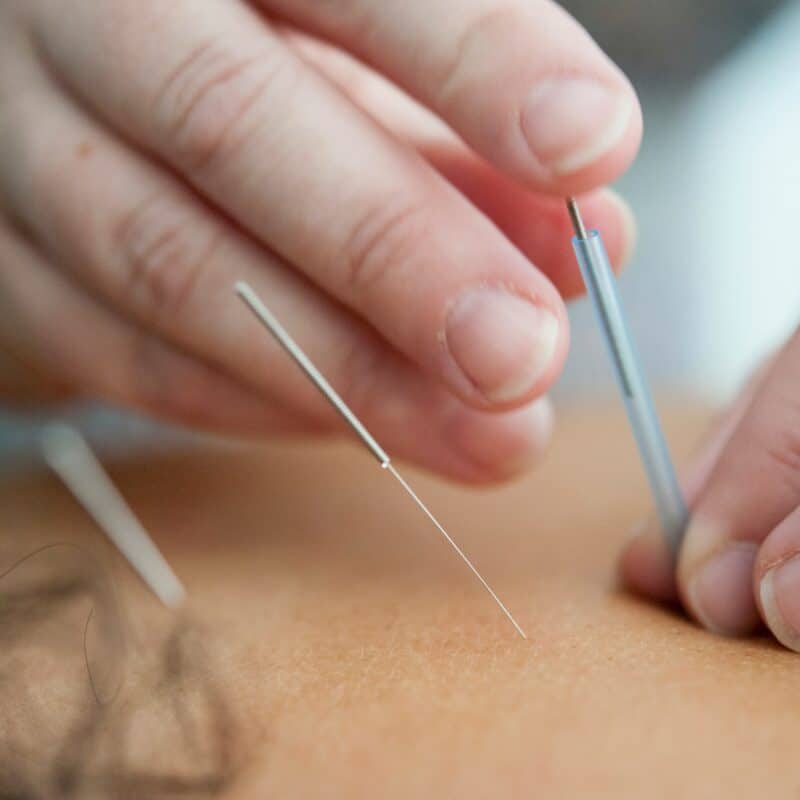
<point x="575" y="216"/>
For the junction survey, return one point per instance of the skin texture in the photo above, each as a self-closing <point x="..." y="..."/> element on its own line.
<point x="357" y="652"/>
<point x="353" y="161"/>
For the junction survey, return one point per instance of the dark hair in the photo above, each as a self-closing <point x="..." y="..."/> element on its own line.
<point x="86" y="710"/>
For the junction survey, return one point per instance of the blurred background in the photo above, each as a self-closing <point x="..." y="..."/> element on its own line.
<point x="714" y="283"/>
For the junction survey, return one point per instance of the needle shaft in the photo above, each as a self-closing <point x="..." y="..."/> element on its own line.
<point x="270" y="322"/>
<point x="455" y="547"/>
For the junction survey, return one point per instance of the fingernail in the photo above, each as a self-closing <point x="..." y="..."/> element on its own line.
<point x="780" y="599"/>
<point x="501" y="343"/>
<point x="502" y="445"/>
<point x="721" y="594"/>
<point x="570" y="122"/>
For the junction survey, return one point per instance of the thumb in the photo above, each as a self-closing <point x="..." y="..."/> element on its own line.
<point x="752" y="488"/>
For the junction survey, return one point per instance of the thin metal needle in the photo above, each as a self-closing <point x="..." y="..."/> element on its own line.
<point x="455" y="547"/>
<point x="70" y="457"/>
<point x="270" y="322"/>
<point x="575" y="216"/>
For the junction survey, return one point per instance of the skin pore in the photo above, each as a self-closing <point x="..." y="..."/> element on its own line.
<point x="355" y="652"/>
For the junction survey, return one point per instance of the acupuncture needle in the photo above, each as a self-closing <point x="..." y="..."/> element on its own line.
<point x="601" y="286"/>
<point x="68" y="454"/>
<point x="270" y="322"/>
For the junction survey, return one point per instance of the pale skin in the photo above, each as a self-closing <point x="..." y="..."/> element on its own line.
<point x="356" y="653"/>
<point x="390" y="178"/>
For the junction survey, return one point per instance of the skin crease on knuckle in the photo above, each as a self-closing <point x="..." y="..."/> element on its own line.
<point x="163" y="249"/>
<point x="384" y="239"/>
<point x="203" y="109"/>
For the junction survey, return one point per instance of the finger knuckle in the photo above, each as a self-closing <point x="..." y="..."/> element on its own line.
<point x="203" y="110"/>
<point x="163" y="250"/>
<point x="385" y="238"/>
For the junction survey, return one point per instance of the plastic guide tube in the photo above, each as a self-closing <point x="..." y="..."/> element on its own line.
<point x="601" y="286"/>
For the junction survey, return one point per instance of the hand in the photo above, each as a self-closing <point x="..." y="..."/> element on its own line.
<point x="739" y="562"/>
<point x="153" y="153"/>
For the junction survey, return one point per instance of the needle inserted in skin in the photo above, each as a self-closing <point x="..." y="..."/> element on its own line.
<point x="71" y="458"/>
<point x="265" y="316"/>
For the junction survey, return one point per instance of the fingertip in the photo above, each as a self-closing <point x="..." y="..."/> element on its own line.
<point x="778" y="594"/>
<point x="582" y="133"/>
<point x="777" y="581"/>
<point x="536" y="223"/>
<point x="506" y="349"/>
<point x="497" y="447"/>
<point x="719" y="593"/>
<point x="646" y="566"/>
<point x="715" y="576"/>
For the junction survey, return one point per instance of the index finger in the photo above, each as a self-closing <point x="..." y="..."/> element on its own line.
<point x="521" y="81"/>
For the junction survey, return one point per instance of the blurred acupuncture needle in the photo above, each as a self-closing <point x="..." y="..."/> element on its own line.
<point x="600" y="284"/>
<point x="265" y="316"/>
<point x="70" y="457"/>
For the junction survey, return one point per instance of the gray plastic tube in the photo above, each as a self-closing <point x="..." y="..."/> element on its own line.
<point x="602" y="289"/>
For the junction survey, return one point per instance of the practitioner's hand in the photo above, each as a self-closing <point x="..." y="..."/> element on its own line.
<point x="152" y="153"/>
<point x="740" y="562"/>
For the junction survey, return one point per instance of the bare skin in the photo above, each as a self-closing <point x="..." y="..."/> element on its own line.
<point x="356" y="652"/>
